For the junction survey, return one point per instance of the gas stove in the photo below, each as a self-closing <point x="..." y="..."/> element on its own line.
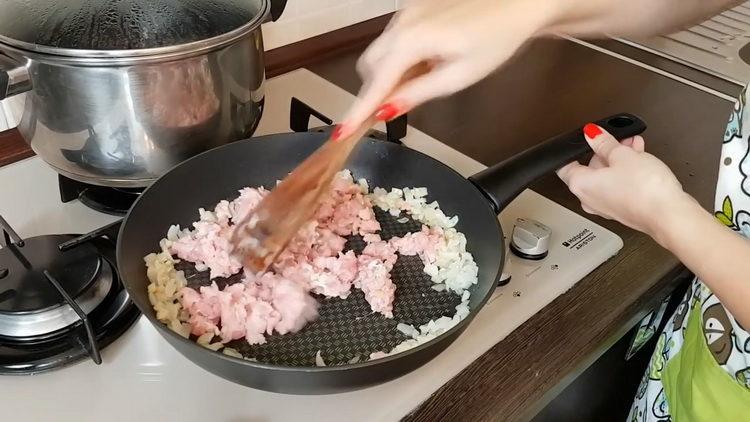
<point x="61" y="299"/>
<point x="554" y="248"/>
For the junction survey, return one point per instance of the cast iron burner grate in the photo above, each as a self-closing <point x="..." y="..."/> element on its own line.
<point x="113" y="201"/>
<point x="300" y="114"/>
<point x="61" y="299"/>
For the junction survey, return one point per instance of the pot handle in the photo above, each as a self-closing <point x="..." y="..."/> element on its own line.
<point x="502" y="182"/>
<point x="277" y="8"/>
<point x="14" y="78"/>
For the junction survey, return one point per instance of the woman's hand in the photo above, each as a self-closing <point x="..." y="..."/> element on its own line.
<point x="463" y="41"/>
<point x="624" y="183"/>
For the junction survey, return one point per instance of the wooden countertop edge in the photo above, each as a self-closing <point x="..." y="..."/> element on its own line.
<point x="278" y="61"/>
<point x="12" y="147"/>
<point x="637" y="312"/>
<point x="473" y="393"/>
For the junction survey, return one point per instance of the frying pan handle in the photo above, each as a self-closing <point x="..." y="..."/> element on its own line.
<point x="503" y="182"/>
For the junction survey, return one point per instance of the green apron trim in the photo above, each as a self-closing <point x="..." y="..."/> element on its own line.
<point x="696" y="387"/>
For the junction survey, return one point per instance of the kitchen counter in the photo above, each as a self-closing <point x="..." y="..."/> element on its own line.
<point x="551" y="87"/>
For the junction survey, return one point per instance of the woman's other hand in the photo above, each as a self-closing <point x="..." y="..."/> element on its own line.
<point x="625" y="183"/>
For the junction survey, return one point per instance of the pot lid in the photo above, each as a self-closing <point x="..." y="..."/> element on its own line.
<point x="105" y="26"/>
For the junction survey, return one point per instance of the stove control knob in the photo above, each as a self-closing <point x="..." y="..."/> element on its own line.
<point x="530" y="239"/>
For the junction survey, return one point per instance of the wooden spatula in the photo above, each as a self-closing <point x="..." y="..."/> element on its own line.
<point x="264" y="233"/>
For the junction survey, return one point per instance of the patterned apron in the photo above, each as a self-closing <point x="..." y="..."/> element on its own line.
<point x="700" y="370"/>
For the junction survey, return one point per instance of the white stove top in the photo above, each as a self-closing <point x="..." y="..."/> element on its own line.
<point x="143" y="378"/>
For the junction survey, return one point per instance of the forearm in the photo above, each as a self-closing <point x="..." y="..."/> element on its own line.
<point x="591" y="18"/>
<point x="713" y="252"/>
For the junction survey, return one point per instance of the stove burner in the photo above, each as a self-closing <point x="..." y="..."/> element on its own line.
<point x="25" y="289"/>
<point x="61" y="299"/>
<point x="300" y="114"/>
<point x="35" y="307"/>
<point x="113" y="201"/>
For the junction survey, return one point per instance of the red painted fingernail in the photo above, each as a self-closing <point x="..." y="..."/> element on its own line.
<point x="387" y="112"/>
<point x="337" y="132"/>
<point x="592" y="131"/>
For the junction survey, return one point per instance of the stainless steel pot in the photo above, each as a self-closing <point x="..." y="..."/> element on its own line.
<point x="116" y="93"/>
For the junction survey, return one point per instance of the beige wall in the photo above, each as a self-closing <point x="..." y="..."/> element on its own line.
<point x="308" y="18"/>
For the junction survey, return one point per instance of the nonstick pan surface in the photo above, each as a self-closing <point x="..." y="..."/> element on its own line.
<point x="346" y="328"/>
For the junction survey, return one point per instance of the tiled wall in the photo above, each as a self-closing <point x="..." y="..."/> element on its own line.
<point x="308" y="18"/>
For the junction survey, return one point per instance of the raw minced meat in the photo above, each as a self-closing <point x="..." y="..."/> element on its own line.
<point x="208" y="246"/>
<point x="374" y="276"/>
<point x="250" y="310"/>
<point x="424" y="243"/>
<point x="279" y="301"/>
<point x="335" y="275"/>
<point x="347" y="210"/>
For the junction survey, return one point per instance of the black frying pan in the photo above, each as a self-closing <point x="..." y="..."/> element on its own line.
<point x="346" y="328"/>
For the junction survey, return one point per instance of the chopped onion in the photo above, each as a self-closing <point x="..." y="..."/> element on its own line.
<point x="319" y="359"/>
